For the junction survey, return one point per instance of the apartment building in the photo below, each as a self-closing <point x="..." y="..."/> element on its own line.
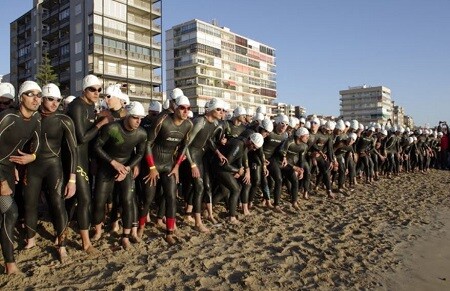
<point x="366" y="104"/>
<point x="117" y="40"/>
<point x="207" y="61"/>
<point x="283" y="108"/>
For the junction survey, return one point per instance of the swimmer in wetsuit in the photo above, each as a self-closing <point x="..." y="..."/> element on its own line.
<point x="120" y="146"/>
<point x="47" y="171"/>
<point x="200" y="141"/>
<point x="17" y="127"/>
<point x="82" y="112"/>
<point x="168" y="135"/>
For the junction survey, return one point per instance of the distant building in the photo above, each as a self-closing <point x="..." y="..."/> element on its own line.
<point x="207" y="61"/>
<point x="119" y="41"/>
<point x="398" y="115"/>
<point x="408" y="121"/>
<point x="283" y="108"/>
<point x="366" y="104"/>
<point x="300" y="111"/>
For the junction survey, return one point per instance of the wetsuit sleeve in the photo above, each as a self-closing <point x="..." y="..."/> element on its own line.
<point x="151" y="137"/>
<point x="69" y="135"/>
<point x="330" y="152"/>
<point x="83" y="135"/>
<point x="284" y="147"/>
<point x="233" y="156"/>
<point x="140" y="151"/>
<point x="102" y="138"/>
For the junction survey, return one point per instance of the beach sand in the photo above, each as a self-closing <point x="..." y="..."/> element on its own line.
<point x="392" y="235"/>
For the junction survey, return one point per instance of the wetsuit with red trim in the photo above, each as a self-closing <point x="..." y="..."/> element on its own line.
<point x="165" y="138"/>
<point x="15" y="131"/>
<point x="46" y="172"/>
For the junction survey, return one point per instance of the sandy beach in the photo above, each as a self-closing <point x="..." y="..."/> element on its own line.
<point x="392" y="235"/>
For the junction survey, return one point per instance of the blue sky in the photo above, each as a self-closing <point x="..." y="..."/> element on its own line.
<point x="324" y="46"/>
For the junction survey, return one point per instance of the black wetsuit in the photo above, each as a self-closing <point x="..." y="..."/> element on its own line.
<point x="164" y="140"/>
<point x="364" y="147"/>
<point x="231" y="130"/>
<point x="83" y="116"/>
<point x="324" y="144"/>
<point x="236" y="153"/>
<point x="295" y="154"/>
<point x="272" y="144"/>
<point x="15" y="131"/>
<point x="200" y="141"/>
<point x="47" y="172"/>
<point x="115" y="142"/>
<point x="256" y="163"/>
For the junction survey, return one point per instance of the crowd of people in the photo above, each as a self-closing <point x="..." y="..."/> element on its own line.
<point x="107" y="162"/>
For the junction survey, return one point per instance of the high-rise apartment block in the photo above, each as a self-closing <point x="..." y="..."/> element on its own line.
<point x="207" y="61"/>
<point x="117" y="40"/>
<point x="366" y="104"/>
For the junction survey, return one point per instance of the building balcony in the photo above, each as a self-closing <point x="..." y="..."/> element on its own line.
<point x="142" y="5"/>
<point x="141" y="75"/>
<point x="139" y="21"/>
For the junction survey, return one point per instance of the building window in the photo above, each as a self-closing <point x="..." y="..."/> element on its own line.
<point x="77" y="9"/>
<point x="64" y="14"/>
<point x="78" y="85"/>
<point x="78" y="47"/>
<point x="65" y="50"/>
<point x="78" y="28"/>
<point x="78" y="66"/>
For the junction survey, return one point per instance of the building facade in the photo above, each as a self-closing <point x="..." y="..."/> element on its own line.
<point x="117" y="40"/>
<point x="283" y="108"/>
<point x="366" y="104"/>
<point x="398" y="115"/>
<point x="207" y="61"/>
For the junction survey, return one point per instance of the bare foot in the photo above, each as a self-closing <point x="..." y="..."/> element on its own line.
<point x="115" y="226"/>
<point x="126" y="243"/>
<point x="331" y="195"/>
<point x="140" y="232"/>
<point x="31" y="243"/>
<point x="212" y="219"/>
<point x="97" y="236"/>
<point x="62" y="254"/>
<point x="11" y="269"/>
<point x="160" y="224"/>
<point x="202" y="228"/>
<point x="234" y="220"/>
<point x="135" y="239"/>
<point x="295" y="206"/>
<point x="267" y="203"/>
<point x="92" y="251"/>
<point x="170" y="239"/>
<point x="279" y="210"/>
<point x="306" y="196"/>
<point x="189" y="219"/>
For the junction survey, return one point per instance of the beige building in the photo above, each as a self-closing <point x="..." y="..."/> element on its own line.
<point x="207" y="61"/>
<point x="117" y="40"/>
<point x="409" y="122"/>
<point x="398" y="115"/>
<point x="366" y="104"/>
<point x="283" y="108"/>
